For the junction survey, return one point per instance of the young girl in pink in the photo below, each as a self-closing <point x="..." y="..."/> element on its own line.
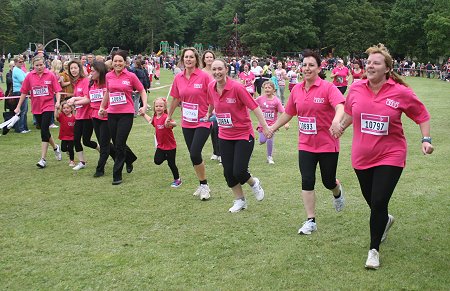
<point x="166" y="146"/>
<point x="66" y="119"/>
<point x="270" y="106"/>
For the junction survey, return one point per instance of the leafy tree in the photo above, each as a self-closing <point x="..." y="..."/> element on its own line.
<point x="437" y="29"/>
<point x="274" y="27"/>
<point x="8" y="25"/>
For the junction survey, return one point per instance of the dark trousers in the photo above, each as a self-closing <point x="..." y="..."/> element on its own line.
<point x="169" y="156"/>
<point x="215" y="138"/>
<point x="83" y="129"/>
<point x="308" y="163"/>
<point x="377" y="185"/>
<point x="67" y="146"/>
<point x="44" y="120"/>
<point x="195" y="140"/>
<point x="119" y="127"/>
<point x="235" y="159"/>
<point x="104" y="141"/>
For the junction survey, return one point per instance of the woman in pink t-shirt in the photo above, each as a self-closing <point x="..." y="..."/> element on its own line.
<point x="375" y="106"/>
<point x="319" y="106"/>
<point x="42" y="86"/>
<point x="281" y="75"/>
<point x="189" y="89"/>
<point x="97" y="90"/>
<point x="83" y="123"/>
<point x="357" y="71"/>
<point x="248" y="79"/>
<point x="120" y="84"/>
<point x="232" y="104"/>
<point x="339" y="75"/>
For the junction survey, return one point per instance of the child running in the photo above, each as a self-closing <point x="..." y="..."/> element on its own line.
<point x="64" y="114"/>
<point x="270" y="106"/>
<point x="166" y="146"/>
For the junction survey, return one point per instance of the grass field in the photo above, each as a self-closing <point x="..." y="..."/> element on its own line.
<point x="61" y="229"/>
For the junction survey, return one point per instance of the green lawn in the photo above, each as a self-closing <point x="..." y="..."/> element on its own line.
<point x="61" y="229"/>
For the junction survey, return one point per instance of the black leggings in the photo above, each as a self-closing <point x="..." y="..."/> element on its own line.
<point x="215" y="138"/>
<point x="119" y="127"/>
<point x="104" y="141"/>
<point x="377" y="185"/>
<point x="67" y="146"/>
<point x="258" y="84"/>
<point x="235" y="159"/>
<point x="83" y="129"/>
<point x="169" y="155"/>
<point x="308" y="163"/>
<point x="195" y="140"/>
<point x="44" y="120"/>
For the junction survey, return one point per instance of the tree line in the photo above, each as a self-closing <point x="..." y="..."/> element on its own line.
<point x="413" y="28"/>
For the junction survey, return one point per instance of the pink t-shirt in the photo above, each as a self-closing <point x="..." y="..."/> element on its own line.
<point x="270" y="109"/>
<point x="248" y="79"/>
<point x="164" y="136"/>
<point x="378" y="137"/>
<point x="281" y="75"/>
<point x="315" y="111"/>
<point x="96" y="94"/>
<point x="120" y="89"/>
<point x="340" y="80"/>
<point x="42" y="89"/>
<point x="66" y="126"/>
<point x="81" y="89"/>
<point x="193" y="96"/>
<point x="231" y="109"/>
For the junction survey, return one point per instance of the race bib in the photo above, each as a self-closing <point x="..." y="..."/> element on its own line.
<point x="96" y="95"/>
<point x="117" y="98"/>
<point x="40" y="91"/>
<point x="374" y="124"/>
<point x="250" y="89"/>
<point x="269" y="114"/>
<point x="78" y="106"/>
<point x="340" y="79"/>
<point x="307" y="125"/>
<point x="224" y="120"/>
<point x="190" y="112"/>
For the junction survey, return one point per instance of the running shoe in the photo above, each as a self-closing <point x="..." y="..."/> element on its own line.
<point x="270" y="160"/>
<point x="339" y="203"/>
<point x="79" y="166"/>
<point x="41" y="164"/>
<point x="204" y="192"/>
<point x="258" y="190"/>
<point x="308" y="227"/>
<point x="238" y="205"/>
<point x="214" y="157"/>
<point x="72" y="164"/>
<point x="388" y="226"/>
<point x="176" y="183"/>
<point x="373" y="260"/>
<point x="53" y="126"/>
<point x="58" y="153"/>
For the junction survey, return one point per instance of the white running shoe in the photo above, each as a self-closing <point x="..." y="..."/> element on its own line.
<point x="373" y="259"/>
<point x="258" y="190"/>
<point x="214" y="157"/>
<point x="204" y="192"/>
<point x="219" y="158"/>
<point x="270" y="160"/>
<point x="58" y="153"/>
<point x="197" y="192"/>
<point x="339" y="203"/>
<point x="42" y="163"/>
<point x="238" y="205"/>
<point x="79" y="166"/>
<point x="72" y="164"/>
<point x="388" y="226"/>
<point x="308" y="227"/>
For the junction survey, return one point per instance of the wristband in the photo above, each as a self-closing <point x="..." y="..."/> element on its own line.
<point x="426" y="139"/>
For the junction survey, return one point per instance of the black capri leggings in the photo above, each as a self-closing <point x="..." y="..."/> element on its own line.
<point x="169" y="155"/>
<point x="328" y="164"/>
<point x="104" y="141"/>
<point x="195" y="140"/>
<point x="83" y="129"/>
<point x="44" y="120"/>
<point x="67" y="146"/>
<point x="377" y="185"/>
<point x="235" y="159"/>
